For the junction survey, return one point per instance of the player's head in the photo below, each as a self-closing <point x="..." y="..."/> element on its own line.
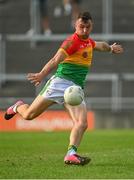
<point x="84" y="25"/>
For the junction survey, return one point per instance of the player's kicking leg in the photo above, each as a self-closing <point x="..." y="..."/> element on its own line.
<point x="79" y="117"/>
<point x="28" y="112"/>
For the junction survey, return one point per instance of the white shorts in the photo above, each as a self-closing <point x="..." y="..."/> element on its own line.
<point x="54" y="89"/>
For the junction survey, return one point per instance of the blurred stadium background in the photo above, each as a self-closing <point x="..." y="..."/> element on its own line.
<point x="110" y="85"/>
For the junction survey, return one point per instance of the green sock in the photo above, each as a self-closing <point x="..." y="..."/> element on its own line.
<point x="72" y="150"/>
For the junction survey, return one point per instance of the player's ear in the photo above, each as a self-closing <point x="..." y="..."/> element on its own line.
<point x="75" y="24"/>
<point x="92" y="26"/>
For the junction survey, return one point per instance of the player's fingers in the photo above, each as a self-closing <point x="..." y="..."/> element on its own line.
<point x="29" y="78"/>
<point x="33" y="77"/>
<point x="33" y="81"/>
<point x="37" y="83"/>
<point x="118" y="50"/>
<point x="30" y="74"/>
<point x="114" y="44"/>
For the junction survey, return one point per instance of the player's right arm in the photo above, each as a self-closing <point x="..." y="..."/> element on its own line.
<point x="36" y="78"/>
<point x="67" y="48"/>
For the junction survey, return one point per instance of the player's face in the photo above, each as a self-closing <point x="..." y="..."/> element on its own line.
<point x="83" y="29"/>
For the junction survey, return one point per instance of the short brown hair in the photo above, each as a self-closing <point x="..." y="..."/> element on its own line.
<point x="85" y="16"/>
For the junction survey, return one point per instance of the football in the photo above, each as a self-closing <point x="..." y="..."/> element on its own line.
<point x="73" y="95"/>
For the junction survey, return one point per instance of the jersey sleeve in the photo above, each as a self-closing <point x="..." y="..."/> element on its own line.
<point x="93" y="43"/>
<point x="69" y="46"/>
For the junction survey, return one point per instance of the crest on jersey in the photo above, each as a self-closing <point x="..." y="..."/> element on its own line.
<point x="85" y="54"/>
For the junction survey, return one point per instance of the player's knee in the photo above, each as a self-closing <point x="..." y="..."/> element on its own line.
<point x="83" y="125"/>
<point x="28" y="116"/>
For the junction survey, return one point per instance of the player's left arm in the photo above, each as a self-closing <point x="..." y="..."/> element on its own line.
<point x="105" y="47"/>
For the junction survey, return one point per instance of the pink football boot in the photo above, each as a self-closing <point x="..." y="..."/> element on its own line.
<point x="10" y="111"/>
<point x="76" y="160"/>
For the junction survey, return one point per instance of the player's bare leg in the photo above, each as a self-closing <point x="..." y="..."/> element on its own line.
<point x="29" y="112"/>
<point x="79" y="117"/>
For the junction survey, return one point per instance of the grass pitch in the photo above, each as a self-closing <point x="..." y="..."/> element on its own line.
<point x="39" y="155"/>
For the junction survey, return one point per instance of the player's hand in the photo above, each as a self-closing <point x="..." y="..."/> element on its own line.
<point x="35" y="78"/>
<point x="116" y="48"/>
